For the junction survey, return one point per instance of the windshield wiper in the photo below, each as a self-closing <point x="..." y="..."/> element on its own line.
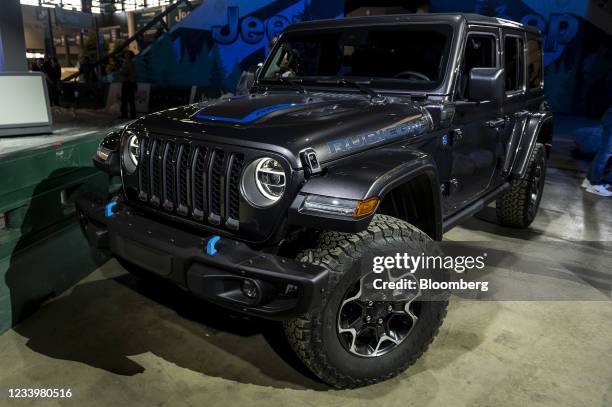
<point x="295" y="83"/>
<point x="358" y="85"/>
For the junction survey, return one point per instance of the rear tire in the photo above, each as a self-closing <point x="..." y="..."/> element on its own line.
<point x="315" y="337"/>
<point x="518" y="207"/>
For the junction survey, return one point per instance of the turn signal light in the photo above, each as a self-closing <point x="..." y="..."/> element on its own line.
<point x="339" y="206"/>
<point x="366" y="207"/>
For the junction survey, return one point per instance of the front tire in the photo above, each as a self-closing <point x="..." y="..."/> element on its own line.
<point x="317" y="337"/>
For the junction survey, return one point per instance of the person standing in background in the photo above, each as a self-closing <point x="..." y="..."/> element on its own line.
<point x="596" y="181"/>
<point x="46" y="67"/>
<point x="38" y="65"/>
<point x="128" y="86"/>
<point x="87" y="72"/>
<point x="54" y="76"/>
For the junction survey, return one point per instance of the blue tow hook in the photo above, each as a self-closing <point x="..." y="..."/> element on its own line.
<point x="108" y="210"/>
<point x="445" y="140"/>
<point x="210" y="246"/>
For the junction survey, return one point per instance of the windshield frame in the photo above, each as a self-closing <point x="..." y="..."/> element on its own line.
<point x="403" y="85"/>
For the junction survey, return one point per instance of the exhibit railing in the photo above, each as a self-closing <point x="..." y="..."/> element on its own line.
<point x="138" y="37"/>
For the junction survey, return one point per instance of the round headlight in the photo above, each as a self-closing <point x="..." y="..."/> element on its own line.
<point x="133" y="149"/>
<point x="270" y="178"/>
<point x="263" y="182"/>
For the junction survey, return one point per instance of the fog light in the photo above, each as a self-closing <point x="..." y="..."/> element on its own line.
<point x="249" y="289"/>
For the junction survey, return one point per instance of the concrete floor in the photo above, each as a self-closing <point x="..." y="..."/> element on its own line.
<point x="117" y="340"/>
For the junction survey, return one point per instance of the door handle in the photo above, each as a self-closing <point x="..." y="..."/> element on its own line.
<point x="499" y="122"/>
<point x="456" y="136"/>
<point x="520" y="114"/>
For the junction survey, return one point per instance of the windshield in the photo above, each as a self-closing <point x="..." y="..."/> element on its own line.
<point x="407" y="57"/>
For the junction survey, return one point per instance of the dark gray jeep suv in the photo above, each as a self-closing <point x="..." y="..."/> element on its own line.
<point x="359" y="135"/>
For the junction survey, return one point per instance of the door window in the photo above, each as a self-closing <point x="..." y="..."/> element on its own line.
<point x="534" y="64"/>
<point x="479" y="52"/>
<point x="514" y="63"/>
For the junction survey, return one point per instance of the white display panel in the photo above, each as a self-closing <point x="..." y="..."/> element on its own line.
<point x="23" y="103"/>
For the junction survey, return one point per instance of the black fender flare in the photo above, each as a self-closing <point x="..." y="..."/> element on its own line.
<point x="528" y="140"/>
<point x="373" y="173"/>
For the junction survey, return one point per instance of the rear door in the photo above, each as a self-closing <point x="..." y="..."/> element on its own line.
<point x="515" y="101"/>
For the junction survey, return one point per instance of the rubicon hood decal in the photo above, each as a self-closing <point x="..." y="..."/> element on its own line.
<point x="409" y="126"/>
<point x="254" y="115"/>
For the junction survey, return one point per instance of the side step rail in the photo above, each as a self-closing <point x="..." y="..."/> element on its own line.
<point x="474" y="207"/>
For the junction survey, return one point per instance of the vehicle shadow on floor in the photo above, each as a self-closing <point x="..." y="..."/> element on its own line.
<point x="113" y="322"/>
<point x="106" y="323"/>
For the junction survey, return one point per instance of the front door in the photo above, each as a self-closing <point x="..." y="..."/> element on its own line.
<point x="475" y="136"/>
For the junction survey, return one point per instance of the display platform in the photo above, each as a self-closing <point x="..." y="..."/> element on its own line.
<point x="40" y="179"/>
<point x="62" y="134"/>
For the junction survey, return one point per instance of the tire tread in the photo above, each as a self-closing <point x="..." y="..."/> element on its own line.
<point x="333" y="250"/>
<point x="512" y="208"/>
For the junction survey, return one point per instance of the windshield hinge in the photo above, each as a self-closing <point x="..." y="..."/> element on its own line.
<point x="310" y="161"/>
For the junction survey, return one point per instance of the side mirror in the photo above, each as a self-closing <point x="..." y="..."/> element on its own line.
<point x="487" y="84"/>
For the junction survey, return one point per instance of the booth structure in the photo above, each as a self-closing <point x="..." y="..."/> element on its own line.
<point x="42" y="251"/>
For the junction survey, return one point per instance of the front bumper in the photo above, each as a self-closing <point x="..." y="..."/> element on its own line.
<point x="284" y="287"/>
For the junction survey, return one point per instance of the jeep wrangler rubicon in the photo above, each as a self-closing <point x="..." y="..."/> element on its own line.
<point x="357" y="133"/>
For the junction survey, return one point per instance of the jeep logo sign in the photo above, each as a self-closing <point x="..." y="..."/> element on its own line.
<point x="217" y="41"/>
<point x="252" y="29"/>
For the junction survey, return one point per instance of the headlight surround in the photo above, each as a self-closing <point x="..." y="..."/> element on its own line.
<point x="133" y="148"/>
<point x="263" y="182"/>
<point x="131" y="152"/>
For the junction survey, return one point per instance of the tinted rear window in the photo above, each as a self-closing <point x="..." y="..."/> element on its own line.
<point x="534" y="64"/>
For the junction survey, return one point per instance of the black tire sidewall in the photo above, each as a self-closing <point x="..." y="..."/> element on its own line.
<point x="539" y="158"/>
<point x="405" y="353"/>
<point x="514" y="208"/>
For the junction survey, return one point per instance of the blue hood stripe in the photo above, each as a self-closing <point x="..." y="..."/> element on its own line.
<point x="259" y="113"/>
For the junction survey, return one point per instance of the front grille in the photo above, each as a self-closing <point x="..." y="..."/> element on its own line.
<point x="196" y="182"/>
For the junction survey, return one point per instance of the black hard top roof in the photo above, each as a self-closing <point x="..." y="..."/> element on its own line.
<point x="449" y="18"/>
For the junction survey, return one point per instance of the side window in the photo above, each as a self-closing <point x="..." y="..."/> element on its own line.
<point x="534" y="64"/>
<point x="480" y="52"/>
<point x="514" y="63"/>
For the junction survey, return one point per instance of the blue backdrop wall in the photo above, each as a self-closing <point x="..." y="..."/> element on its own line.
<point x="577" y="54"/>
<point x="222" y="38"/>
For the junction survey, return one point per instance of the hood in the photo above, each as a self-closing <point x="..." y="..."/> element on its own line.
<point x="334" y="125"/>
